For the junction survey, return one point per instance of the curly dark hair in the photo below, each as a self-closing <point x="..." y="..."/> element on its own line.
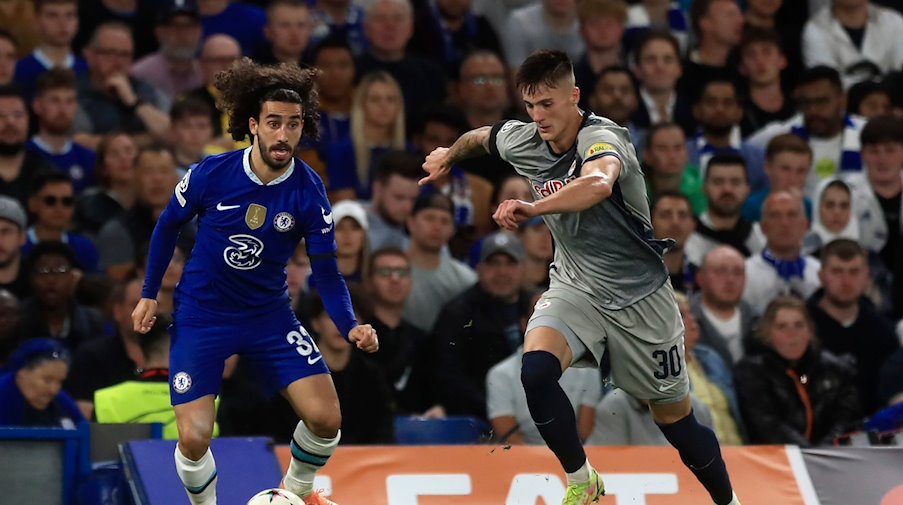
<point x="247" y="85"/>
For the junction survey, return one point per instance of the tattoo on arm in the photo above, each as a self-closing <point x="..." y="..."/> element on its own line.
<point x="471" y="144"/>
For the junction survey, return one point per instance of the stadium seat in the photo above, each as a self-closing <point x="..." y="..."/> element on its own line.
<point x="450" y="431"/>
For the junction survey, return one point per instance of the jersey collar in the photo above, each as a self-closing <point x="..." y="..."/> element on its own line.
<point x="246" y="163"/>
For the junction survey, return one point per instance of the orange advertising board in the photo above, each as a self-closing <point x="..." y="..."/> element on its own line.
<point x="492" y="475"/>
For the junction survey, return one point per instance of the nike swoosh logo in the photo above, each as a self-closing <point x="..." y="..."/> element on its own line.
<point x="311" y="361"/>
<point x="220" y="206"/>
<point x="326" y="217"/>
<point x="664" y="388"/>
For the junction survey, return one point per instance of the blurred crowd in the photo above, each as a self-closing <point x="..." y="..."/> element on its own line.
<point x="771" y="138"/>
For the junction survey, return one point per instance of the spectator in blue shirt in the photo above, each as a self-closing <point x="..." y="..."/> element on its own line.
<point x="57" y="24"/>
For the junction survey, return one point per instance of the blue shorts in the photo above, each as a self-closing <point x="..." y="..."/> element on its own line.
<point x="276" y="344"/>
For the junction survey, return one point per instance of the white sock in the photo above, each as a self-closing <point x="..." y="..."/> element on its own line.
<point x="198" y="477"/>
<point x="581" y="475"/>
<point x="309" y="454"/>
<point x="734" y="500"/>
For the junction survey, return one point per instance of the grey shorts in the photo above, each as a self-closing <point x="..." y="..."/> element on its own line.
<point x="645" y="341"/>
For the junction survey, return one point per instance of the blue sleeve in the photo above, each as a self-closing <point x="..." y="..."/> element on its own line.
<point x="186" y="202"/>
<point x="341" y="166"/>
<point x="319" y="238"/>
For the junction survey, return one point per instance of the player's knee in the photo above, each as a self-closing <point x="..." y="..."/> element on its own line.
<point x="194" y="439"/>
<point x="539" y="368"/>
<point x="325" y="424"/>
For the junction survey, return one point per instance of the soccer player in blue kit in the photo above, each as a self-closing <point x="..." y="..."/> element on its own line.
<point x="253" y="207"/>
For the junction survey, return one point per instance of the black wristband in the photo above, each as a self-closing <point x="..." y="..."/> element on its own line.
<point x="138" y="103"/>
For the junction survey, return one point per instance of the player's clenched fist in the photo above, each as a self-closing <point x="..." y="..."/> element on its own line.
<point x="364" y="336"/>
<point x="511" y="213"/>
<point x="435" y="165"/>
<point x="144" y="315"/>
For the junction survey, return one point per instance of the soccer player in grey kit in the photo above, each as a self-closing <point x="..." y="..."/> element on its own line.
<point x="609" y="286"/>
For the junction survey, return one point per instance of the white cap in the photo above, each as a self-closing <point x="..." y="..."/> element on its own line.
<point x="352" y="209"/>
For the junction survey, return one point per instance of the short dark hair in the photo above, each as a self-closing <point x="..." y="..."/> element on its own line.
<point x="658" y="128"/>
<point x="652" y="36"/>
<point x="189" y="106"/>
<point x="543" y="68"/>
<point x="332" y="42"/>
<point x="436" y="201"/>
<point x="726" y="159"/>
<point x="862" y="90"/>
<point x="882" y="129"/>
<point x="246" y="86"/>
<point x="40" y="4"/>
<point x="787" y="142"/>
<point x="844" y="249"/>
<point x="699" y="10"/>
<point x="4" y="34"/>
<point x="721" y="81"/>
<point x="45" y="178"/>
<point x="272" y="4"/>
<point x="50" y="248"/>
<point x="662" y="195"/>
<point x="154" y="342"/>
<point x="820" y="73"/>
<point x="755" y="35"/>
<point x="400" y="163"/>
<point x="11" y="91"/>
<point x="444" y="115"/>
<point x="55" y="78"/>
<point x="385" y="251"/>
<point x="616" y="69"/>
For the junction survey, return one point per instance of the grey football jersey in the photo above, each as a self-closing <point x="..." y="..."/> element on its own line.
<point x="607" y="251"/>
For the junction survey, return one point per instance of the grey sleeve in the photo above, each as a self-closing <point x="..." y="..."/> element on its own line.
<point x="598" y="140"/>
<point x="115" y="245"/>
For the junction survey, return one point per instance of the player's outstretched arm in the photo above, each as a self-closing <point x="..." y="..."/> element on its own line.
<point x="364" y="337"/>
<point x="439" y="162"/>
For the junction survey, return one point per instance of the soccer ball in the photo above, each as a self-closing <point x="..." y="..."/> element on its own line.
<point x="275" y="497"/>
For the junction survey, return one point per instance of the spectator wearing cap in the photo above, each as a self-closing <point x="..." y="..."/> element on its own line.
<point x="288" y="31"/>
<point x="481" y="326"/>
<point x="12" y="238"/>
<point x="437" y="276"/>
<point x="31" y="388"/>
<point x="174" y="69"/>
<point x="57" y="23"/>
<point x="539" y="251"/>
<point x="10" y="337"/>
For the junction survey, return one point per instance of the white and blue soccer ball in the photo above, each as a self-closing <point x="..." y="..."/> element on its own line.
<point x="275" y="497"/>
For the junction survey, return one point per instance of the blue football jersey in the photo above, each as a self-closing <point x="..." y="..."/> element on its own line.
<point x="247" y="231"/>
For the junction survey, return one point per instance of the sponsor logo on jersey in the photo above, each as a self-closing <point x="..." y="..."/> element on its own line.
<point x="245" y="254"/>
<point x="283" y="222"/>
<point x="549" y="187"/>
<point x="599" y="148"/>
<point x="182" y="187"/>
<point x="181" y="382"/>
<point x="255" y="216"/>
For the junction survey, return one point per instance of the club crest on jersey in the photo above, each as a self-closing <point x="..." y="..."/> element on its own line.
<point x="255" y="216"/>
<point x="284" y="222"/>
<point x="549" y="187"/>
<point x="245" y="254"/>
<point x="181" y="382"/>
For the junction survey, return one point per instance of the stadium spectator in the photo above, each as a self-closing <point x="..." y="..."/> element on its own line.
<point x="377" y="125"/>
<point x="31" y="392"/>
<point x="18" y="17"/>
<point x="854" y="37"/>
<point x="18" y="166"/>
<point x="869" y="99"/>
<point x="133" y="13"/>
<point x="297" y="274"/>
<point x="288" y="30"/>
<point x="601" y="28"/>
<point x="672" y="217"/>
<point x="240" y="20"/>
<point x="389" y="25"/>
<point x="658" y="67"/>
<point x="726" y="188"/>
<point x="118" y="240"/>
<point x="718" y="113"/>
<point x="10" y="336"/>
<point x="446" y="31"/>
<point x="8" y="57"/>
<point x="191" y="135"/>
<point x="784" y="18"/>
<point x="788" y="160"/>
<point x="52" y="205"/>
<point x="890" y="381"/>
<point x="782" y="268"/>
<point x="832" y="134"/>
<point x="173" y="69"/>
<point x="406" y="359"/>
<point x="481" y="327"/>
<point x="352" y="251"/>
<point x="116" y="188"/>
<point x="725" y="321"/>
<point x="718" y="27"/>
<point x="109" y="99"/>
<point x="52" y="311"/>
<point x="57" y="24"/>
<point x="498" y="11"/>
<point x="666" y="166"/>
<point x="624" y="420"/>
<point x="545" y="24"/>
<point x="364" y="395"/>
<point x="394" y="193"/>
<point x="791" y="391"/>
<point x="834" y="216"/>
<point x="336" y="90"/>
<point x="762" y="61"/>
<point x="659" y="16"/>
<point x="55" y="105"/>
<point x="218" y="53"/>
<point x="513" y="187"/>
<point x="341" y="19"/>
<point x="614" y="96"/>
<point x="437" y="277"/>
<point x="171" y="277"/>
<point x="847" y="322"/>
<point x="539" y="251"/>
<point x="13" y="276"/>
